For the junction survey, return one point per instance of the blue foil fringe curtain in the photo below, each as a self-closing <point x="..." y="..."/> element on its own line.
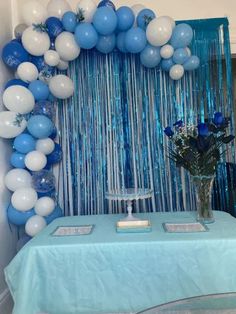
<point x="111" y="130"/>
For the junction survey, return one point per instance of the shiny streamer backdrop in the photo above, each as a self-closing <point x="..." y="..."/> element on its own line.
<point x="111" y="130"/>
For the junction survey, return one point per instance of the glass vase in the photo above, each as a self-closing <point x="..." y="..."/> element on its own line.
<point x="203" y="187"/>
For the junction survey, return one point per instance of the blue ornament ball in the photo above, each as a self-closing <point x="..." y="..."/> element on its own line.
<point x="39" y="89"/>
<point x="135" y="40"/>
<point x="44" y="107"/>
<point x="107" y="3"/>
<point x="144" y="18"/>
<point x="54" y="26"/>
<point x="69" y="21"/>
<point x="16" y="82"/>
<point x="55" y="156"/>
<point x="43" y="181"/>
<point x="106" y="44"/>
<point x="150" y="57"/>
<point x="13" y="54"/>
<point x="125" y="18"/>
<point x="17" y="160"/>
<point x="86" y="36"/>
<point x="17" y="217"/>
<point x="24" y="143"/>
<point x="105" y="20"/>
<point x="40" y="126"/>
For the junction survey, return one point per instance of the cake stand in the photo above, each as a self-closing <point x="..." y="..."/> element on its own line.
<point x="129" y="195"/>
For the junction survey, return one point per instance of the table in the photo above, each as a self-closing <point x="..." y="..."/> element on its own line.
<point x="109" y="272"/>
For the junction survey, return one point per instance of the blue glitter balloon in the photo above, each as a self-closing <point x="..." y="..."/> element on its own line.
<point x="44" y="107"/>
<point x="43" y="181"/>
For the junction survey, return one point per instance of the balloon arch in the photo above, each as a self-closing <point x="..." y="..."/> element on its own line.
<point x="46" y="44"/>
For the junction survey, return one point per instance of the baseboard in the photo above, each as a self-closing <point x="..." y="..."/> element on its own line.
<point x="6" y="303"/>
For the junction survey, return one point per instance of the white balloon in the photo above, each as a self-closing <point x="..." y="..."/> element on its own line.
<point x="61" y="86"/>
<point x="172" y="21"/>
<point x="11" y="124"/>
<point x="34" y="225"/>
<point x="35" y="42"/>
<point x="176" y="71"/>
<point x="63" y="65"/>
<point x="24" y="199"/>
<point x="19" y="99"/>
<point x="44" y="206"/>
<point x="67" y="47"/>
<point x="159" y="31"/>
<point x="17" y="178"/>
<point x="88" y="8"/>
<point x="34" y="12"/>
<point x="27" y="72"/>
<point x="35" y="160"/>
<point x="58" y="7"/>
<point x="51" y="57"/>
<point x="166" y="51"/>
<point x="45" y="146"/>
<point x="188" y="51"/>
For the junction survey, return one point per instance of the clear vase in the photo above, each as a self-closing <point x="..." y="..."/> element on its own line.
<point x="203" y="187"/>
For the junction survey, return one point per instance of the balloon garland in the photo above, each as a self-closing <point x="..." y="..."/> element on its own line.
<point x="51" y="38"/>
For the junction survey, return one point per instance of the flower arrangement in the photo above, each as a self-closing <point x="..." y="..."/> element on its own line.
<point x="199" y="148"/>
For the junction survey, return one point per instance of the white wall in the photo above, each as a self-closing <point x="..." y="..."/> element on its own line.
<point x="181" y="9"/>
<point x="7" y="238"/>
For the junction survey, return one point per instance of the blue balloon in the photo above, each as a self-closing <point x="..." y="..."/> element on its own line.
<point x="86" y="36"/>
<point x="135" y="40"/>
<point x="14" y="54"/>
<point x="180" y="55"/>
<point x="107" y="3"/>
<point x="16" y="82"/>
<point x="24" y="143"/>
<point x="69" y="21"/>
<point x="17" y="217"/>
<point x="18" y="160"/>
<point x="57" y="213"/>
<point x="105" y="20"/>
<point x="39" y="89"/>
<point x="51" y="97"/>
<point x="120" y="42"/>
<point x="106" y="44"/>
<point x="125" y="18"/>
<point x="150" y="57"/>
<point x="144" y="18"/>
<point x="50" y="194"/>
<point x="43" y="181"/>
<point x="55" y="156"/>
<point x="44" y="107"/>
<point x="53" y="135"/>
<point x="40" y="126"/>
<point x="54" y="26"/>
<point x="192" y="63"/>
<point x="182" y="36"/>
<point x="166" y="64"/>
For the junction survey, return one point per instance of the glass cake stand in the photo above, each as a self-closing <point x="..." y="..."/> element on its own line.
<point x="129" y="195"/>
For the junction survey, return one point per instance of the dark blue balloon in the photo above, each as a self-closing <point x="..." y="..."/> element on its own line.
<point x="17" y="217"/>
<point x="53" y="135"/>
<point x="14" y="54"/>
<point x="135" y="40"/>
<point x="69" y="21"/>
<point x="203" y="129"/>
<point x="43" y="181"/>
<point x="18" y="160"/>
<point x="54" y="26"/>
<point x="40" y="126"/>
<point x="106" y="44"/>
<point x="57" y="213"/>
<point x="24" y="143"/>
<point x="125" y="18"/>
<point x="144" y="18"/>
<point x="166" y="64"/>
<point x="16" y="82"/>
<point x="120" y="42"/>
<point x="105" y="20"/>
<point x="107" y="3"/>
<point x="44" y="107"/>
<point x="86" y="36"/>
<point x="39" y="89"/>
<point x="150" y="57"/>
<point x="55" y="156"/>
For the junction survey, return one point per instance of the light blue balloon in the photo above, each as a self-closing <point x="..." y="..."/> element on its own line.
<point x="39" y="89"/>
<point x="182" y="36"/>
<point x="40" y="126"/>
<point x="69" y="21"/>
<point x="106" y="44"/>
<point x="125" y="18"/>
<point x="192" y="63"/>
<point x="144" y="18"/>
<point x="120" y="42"/>
<point x="18" y="160"/>
<point x="166" y="64"/>
<point x="150" y="57"/>
<point x="135" y="40"/>
<point x="105" y="20"/>
<point x="86" y="36"/>
<point x="180" y="55"/>
<point x="17" y="217"/>
<point x="55" y="214"/>
<point x="24" y="143"/>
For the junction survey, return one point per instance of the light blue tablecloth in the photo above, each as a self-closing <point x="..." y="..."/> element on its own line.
<point x="107" y="272"/>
